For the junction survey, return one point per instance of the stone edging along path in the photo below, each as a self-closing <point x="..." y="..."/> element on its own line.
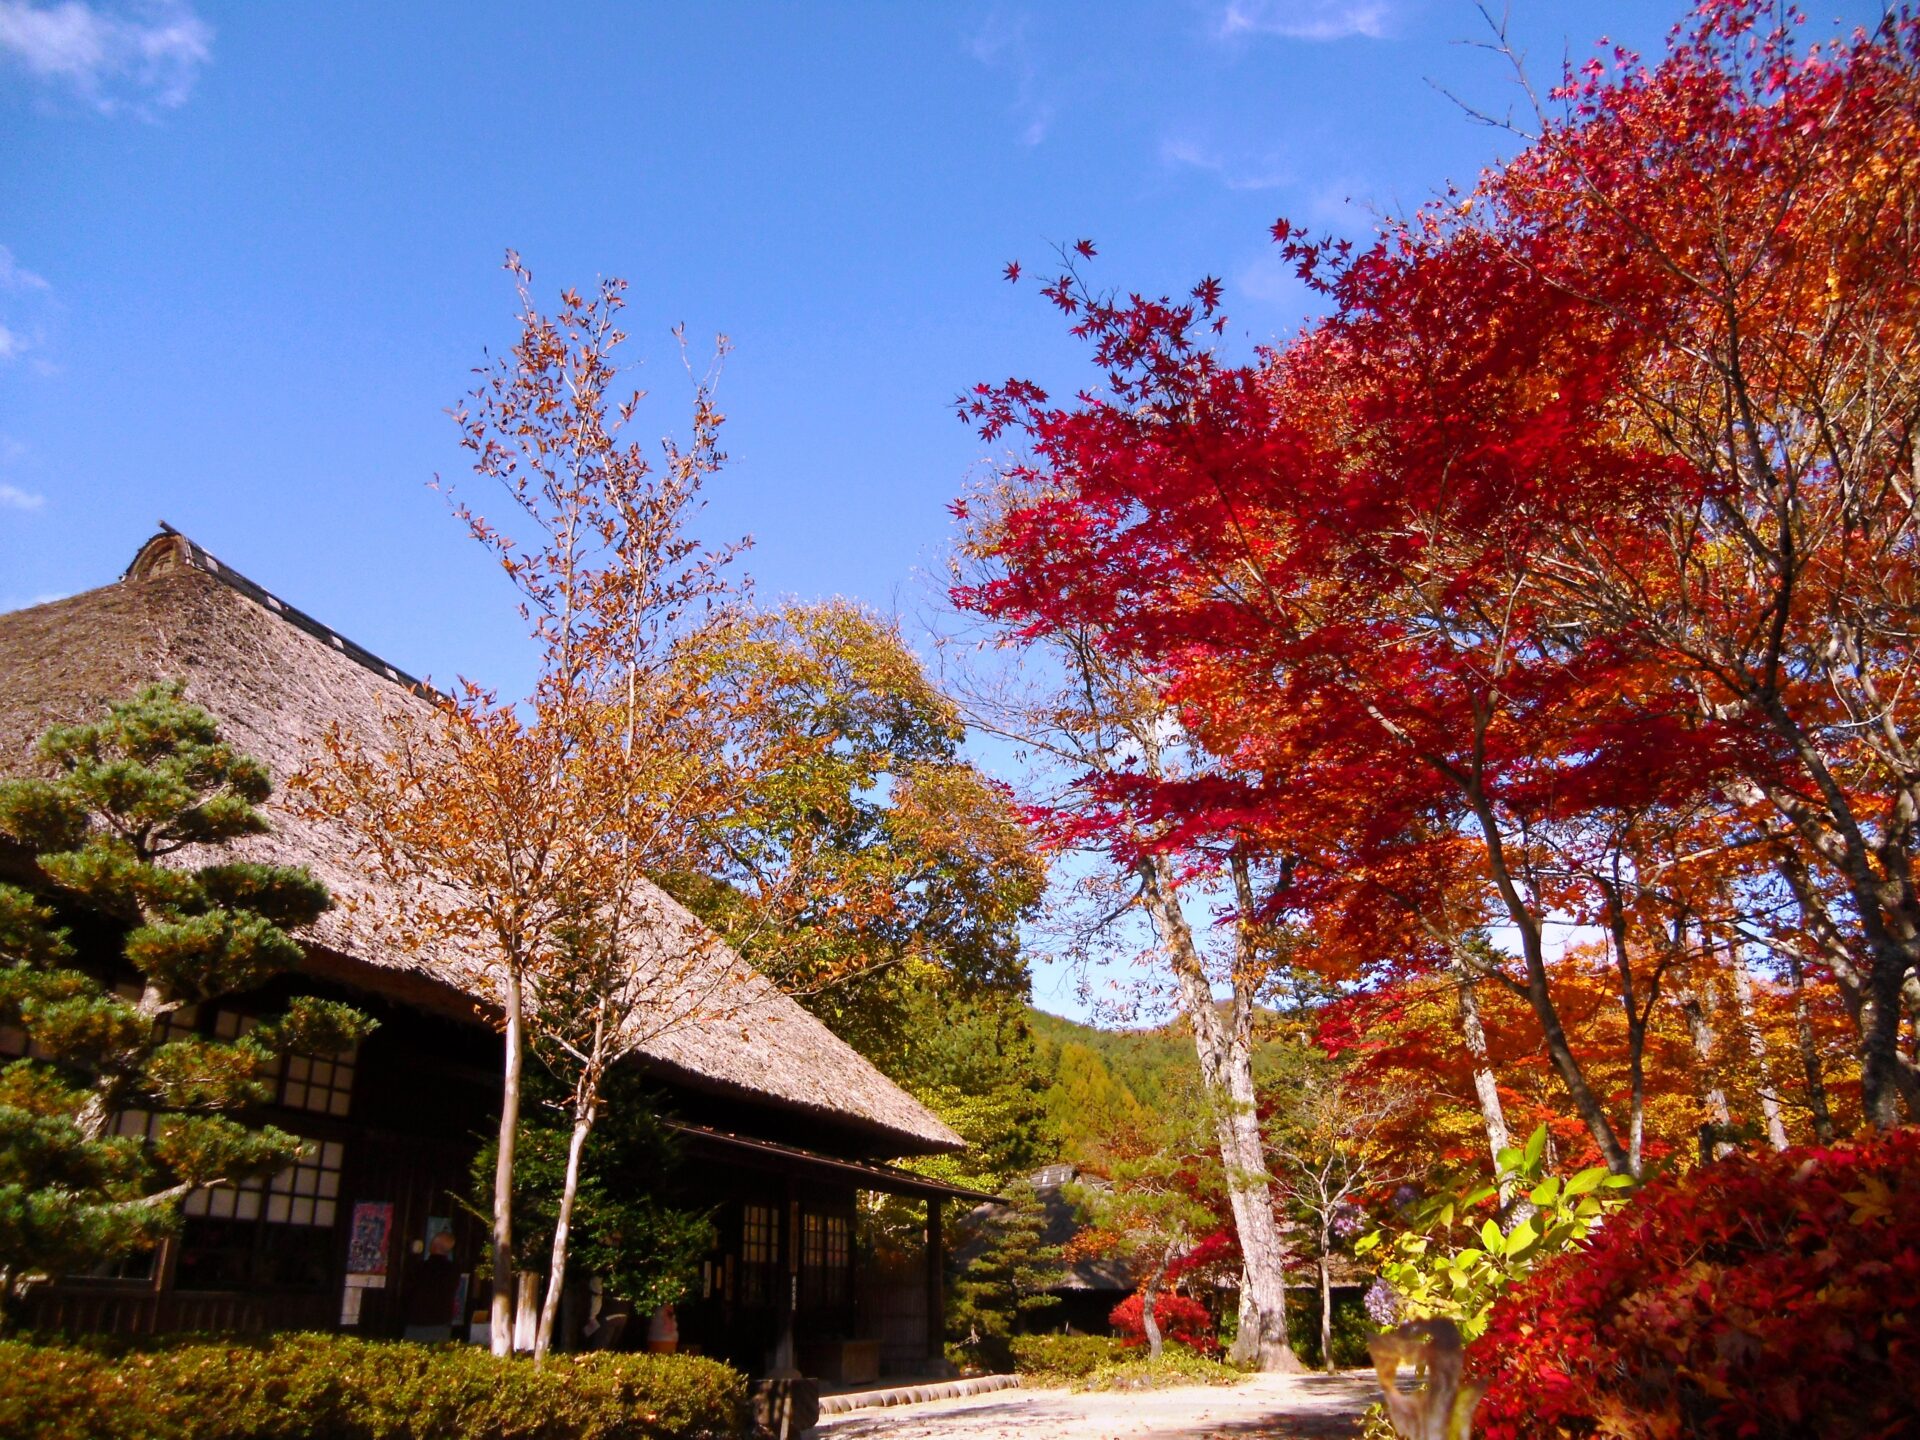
<point x="916" y="1394"/>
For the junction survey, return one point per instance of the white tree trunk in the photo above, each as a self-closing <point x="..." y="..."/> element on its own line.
<point x="1486" y="1089"/>
<point x="1326" y="1302"/>
<point x="1226" y="1068"/>
<point x="501" y="1314"/>
<point x="1713" y="1096"/>
<point x="562" y="1232"/>
<point x="1757" y="1048"/>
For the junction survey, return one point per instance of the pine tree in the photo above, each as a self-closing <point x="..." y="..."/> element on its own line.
<point x="119" y="1107"/>
<point x="1007" y="1282"/>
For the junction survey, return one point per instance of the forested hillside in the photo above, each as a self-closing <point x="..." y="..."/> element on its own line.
<point x="1099" y="1081"/>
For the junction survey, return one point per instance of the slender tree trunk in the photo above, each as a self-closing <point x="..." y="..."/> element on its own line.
<point x="1514" y="1206"/>
<point x="1636" y="1017"/>
<point x="1540" y="994"/>
<point x="1326" y="1301"/>
<point x="1713" y="1095"/>
<point x="1757" y="1048"/>
<point x="501" y="1314"/>
<point x="1823" y="1130"/>
<point x="563" y="1228"/>
<point x="1225" y="1053"/>
<point x="1486" y="1089"/>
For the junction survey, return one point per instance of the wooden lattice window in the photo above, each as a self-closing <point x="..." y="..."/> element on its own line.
<point x="320" y="1083"/>
<point x="759" y="1252"/>
<point x="826" y="1259"/>
<point x="307" y="1192"/>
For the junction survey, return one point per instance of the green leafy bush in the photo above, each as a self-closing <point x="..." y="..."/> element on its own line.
<point x="1455" y="1260"/>
<point x="296" y="1387"/>
<point x="1064" y="1357"/>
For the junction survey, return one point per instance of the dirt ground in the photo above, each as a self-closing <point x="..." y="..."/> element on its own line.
<point x="1266" y="1407"/>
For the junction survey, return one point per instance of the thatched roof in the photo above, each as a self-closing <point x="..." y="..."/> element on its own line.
<point x="278" y="679"/>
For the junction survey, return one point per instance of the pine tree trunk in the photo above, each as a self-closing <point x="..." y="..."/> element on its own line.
<point x="1225" y="1053"/>
<point x="562" y="1231"/>
<point x="501" y="1314"/>
<point x="1149" y="1322"/>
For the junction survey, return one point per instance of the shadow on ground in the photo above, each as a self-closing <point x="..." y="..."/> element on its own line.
<point x="1344" y="1396"/>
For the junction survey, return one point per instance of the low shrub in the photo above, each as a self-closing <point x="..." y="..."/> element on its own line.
<point x="1064" y="1357"/>
<point x="1177" y="1365"/>
<point x="295" y="1387"/>
<point x="1760" y="1296"/>
<point x="1181" y="1319"/>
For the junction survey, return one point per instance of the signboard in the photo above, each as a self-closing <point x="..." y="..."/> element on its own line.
<point x="370" y="1238"/>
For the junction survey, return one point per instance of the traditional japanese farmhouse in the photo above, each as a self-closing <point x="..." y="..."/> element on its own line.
<point x="781" y="1126"/>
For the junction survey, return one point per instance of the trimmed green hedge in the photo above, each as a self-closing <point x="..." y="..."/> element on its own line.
<point x="303" y="1387"/>
<point x="1064" y="1357"/>
<point x="1177" y="1365"/>
<point x="1102" y="1362"/>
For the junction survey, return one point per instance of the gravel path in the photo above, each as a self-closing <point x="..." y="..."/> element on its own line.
<point x="1266" y="1407"/>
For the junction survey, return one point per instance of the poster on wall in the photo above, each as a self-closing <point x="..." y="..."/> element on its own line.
<point x="368" y="1241"/>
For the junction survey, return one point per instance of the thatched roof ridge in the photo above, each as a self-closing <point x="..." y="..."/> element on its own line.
<point x="278" y="679"/>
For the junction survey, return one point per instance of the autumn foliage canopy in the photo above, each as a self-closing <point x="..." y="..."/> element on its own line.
<point x="1561" y="575"/>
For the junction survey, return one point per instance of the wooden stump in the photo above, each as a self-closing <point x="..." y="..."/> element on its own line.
<point x="1440" y="1405"/>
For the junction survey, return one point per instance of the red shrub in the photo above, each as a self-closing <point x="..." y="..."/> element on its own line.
<point x="1178" y="1317"/>
<point x="1765" y="1295"/>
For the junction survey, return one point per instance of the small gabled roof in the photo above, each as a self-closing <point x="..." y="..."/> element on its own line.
<point x="278" y="679"/>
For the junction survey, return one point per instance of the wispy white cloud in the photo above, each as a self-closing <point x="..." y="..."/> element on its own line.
<point x="136" y="55"/>
<point x="16" y="277"/>
<point x="12" y="497"/>
<point x="1271" y="281"/>
<point x="1265" y="174"/>
<point x="1307" y="19"/>
<point x="23" y="291"/>
<point x="1001" y="44"/>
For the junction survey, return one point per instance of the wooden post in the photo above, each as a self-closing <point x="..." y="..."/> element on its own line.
<point x="936" y="1290"/>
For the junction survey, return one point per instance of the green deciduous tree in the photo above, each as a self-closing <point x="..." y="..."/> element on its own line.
<point x="861" y="859"/>
<point x="119" y="1107"/>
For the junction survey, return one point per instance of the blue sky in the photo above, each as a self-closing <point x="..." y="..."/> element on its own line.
<point x="249" y="252"/>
